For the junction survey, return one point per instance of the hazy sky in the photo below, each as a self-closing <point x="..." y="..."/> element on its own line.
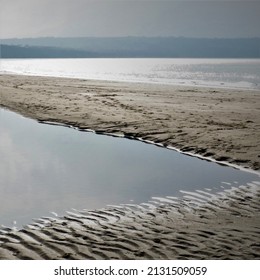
<point x="72" y="18"/>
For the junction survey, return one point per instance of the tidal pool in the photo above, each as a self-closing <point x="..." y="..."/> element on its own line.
<point x="46" y="168"/>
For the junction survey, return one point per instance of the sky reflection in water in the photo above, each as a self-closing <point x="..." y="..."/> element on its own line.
<point x="46" y="168"/>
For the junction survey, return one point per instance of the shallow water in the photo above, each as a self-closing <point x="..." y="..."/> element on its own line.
<point x="46" y="168"/>
<point x="227" y="73"/>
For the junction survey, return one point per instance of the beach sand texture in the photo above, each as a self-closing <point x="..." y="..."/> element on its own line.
<point x="222" y="124"/>
<point x="215" y="123"/>
<point x="198" y="225"/>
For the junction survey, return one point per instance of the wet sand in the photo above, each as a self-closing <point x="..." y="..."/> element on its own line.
<point x="198" y="225"/>
<point x="217" y="124"/>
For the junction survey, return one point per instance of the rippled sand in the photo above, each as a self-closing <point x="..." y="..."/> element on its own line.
<point x="198" y="225"/>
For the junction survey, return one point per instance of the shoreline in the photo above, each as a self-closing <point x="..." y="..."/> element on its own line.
<point x="198" y="225"/>
<point x="223" y="163"/>
<point x="133" y="82"/>
<point x="218" y="124"/>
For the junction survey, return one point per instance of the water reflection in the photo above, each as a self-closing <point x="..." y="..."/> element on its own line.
<point x="47" y="168"/>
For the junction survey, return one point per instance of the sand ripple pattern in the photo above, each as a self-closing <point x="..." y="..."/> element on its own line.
<point x="197" y="225"/>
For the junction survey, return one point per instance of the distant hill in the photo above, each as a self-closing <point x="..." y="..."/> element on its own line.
<point x="161" y="47"/>
<point x="14" y="51"/>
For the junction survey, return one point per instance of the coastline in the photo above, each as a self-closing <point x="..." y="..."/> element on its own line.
<point x="218" y="124"/>
<point x="214" y="123"/>
<point x="197" y="226"/>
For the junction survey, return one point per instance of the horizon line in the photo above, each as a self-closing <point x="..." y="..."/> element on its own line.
<point x="128" y="36"/>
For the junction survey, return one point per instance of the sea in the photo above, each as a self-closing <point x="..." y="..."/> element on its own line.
<point x="218" y="73"/>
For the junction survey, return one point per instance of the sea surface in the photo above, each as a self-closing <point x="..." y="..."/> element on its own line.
<point x="223" y="73"/>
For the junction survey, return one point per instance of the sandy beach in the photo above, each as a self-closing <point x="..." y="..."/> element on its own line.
<point x="217" y="124"/>
<point x="221" y="124"/>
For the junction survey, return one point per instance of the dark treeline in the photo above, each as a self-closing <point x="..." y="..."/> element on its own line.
<point x="9" y="51"/>
<point x="130" y="47"/>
